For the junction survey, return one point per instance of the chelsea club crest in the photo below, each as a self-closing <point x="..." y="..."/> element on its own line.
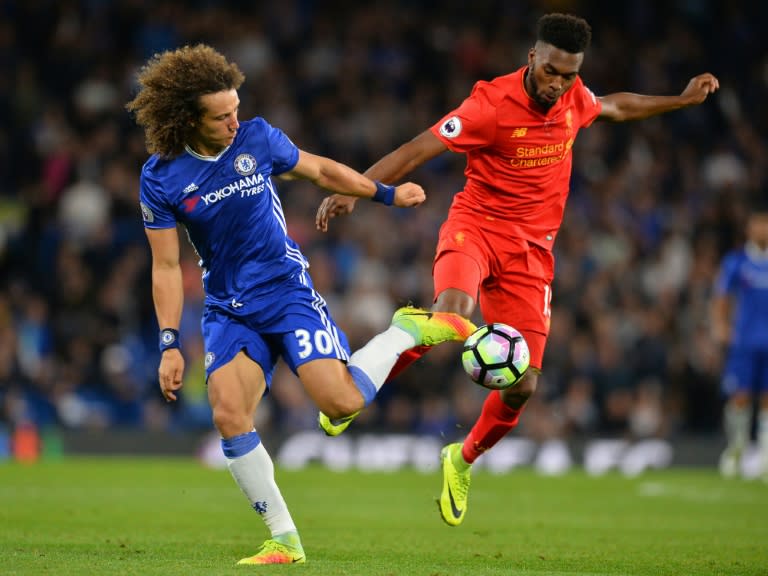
<point x="245" y="164"/>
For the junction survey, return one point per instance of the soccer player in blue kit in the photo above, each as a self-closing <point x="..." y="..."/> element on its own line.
<point x="740" y="322"/>
<point x="214" y="174"/>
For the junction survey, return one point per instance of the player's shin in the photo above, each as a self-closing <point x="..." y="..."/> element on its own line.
<point x="253" y="471"/>
<point x="495" y="421"/>
<point x="736" y="427"/>
<point x="369" y="367"/>
<point x="736" y="420"/>
<point x="379" y="355"/>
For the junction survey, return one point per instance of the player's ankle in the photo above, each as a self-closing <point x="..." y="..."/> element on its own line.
<point x="459" y="463"/>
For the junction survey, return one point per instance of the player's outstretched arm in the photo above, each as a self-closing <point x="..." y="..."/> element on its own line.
<point x="390" y="168"/>
<point x="406" y="195"/>
<point x="625" y="106"/>
<point x="341" y="179"/>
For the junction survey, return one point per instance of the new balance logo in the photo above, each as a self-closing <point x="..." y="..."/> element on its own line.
<point x="519" y="132"/>
<point x="190" y="188"/>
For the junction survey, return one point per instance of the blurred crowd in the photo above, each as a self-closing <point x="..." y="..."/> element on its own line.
<point x="654" y="204"/>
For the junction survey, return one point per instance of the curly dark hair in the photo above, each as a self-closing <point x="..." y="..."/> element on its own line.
<point x="564" y="31"/>
<point x="170" y="86"/>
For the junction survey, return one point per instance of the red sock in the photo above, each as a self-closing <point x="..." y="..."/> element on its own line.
<point x="496" y="419"/>
<point x="406" y="359"/>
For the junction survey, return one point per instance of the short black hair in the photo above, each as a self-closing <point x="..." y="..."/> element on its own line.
<point x="564" y="31"/>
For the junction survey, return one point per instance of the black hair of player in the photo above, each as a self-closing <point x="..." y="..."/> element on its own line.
<point x="564" y="31"/>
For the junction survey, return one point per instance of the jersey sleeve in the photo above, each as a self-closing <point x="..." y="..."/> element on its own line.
<point x="589" y="105"/>
<point x="155" y="211"/>
<point x="285" y="154"/>
<point x="473" y="124"/>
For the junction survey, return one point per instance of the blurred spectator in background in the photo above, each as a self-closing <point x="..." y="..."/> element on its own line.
<point x="740" y="324"/>
<point x="663" y="196"/>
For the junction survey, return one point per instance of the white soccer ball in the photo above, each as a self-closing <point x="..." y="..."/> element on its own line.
<point x="495" y="356"/>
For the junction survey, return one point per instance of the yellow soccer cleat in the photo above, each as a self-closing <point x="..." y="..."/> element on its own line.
<point x="453" y="499"/>
<point x="430" y="328"/>
<point x="334" y="427"/>
<point x="274" y="552"/>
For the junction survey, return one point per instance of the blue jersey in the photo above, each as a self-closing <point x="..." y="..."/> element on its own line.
<point x="232" y="213"/>
<point x="744" y="277"/>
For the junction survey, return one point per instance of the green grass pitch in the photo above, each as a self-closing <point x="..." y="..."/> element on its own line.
<point x="173" y="517"/>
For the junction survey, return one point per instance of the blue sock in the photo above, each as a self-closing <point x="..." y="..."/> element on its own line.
<point x="364" y="384"/>
<point x="240" y="445"/>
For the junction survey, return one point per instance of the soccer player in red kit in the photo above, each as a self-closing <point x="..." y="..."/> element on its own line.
<point x="517" y="132"/>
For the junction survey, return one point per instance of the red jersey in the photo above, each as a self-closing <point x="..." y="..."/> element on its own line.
<point x="518" y="157"/>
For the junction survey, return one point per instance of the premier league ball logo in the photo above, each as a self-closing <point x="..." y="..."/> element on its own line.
<point x="451" y="127"/>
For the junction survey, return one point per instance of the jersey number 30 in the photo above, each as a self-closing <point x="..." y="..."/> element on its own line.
<point x="320" y="341"/>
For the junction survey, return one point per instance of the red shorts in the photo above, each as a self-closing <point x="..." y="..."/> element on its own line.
<point x="511" y="276"/>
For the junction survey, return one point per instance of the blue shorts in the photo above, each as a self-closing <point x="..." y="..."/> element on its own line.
<point x="296" y="326"/>
<point x="746" y="370"/>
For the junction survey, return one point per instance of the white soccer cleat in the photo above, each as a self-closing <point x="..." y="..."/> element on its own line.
<point x="730" y="463"/>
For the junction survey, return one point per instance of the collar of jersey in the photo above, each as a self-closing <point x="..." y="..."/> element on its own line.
<point x="755" y="252"/>
<point x="206" y="158"/>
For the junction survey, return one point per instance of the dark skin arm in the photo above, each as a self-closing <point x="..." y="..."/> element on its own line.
<point x="391" y="168"/>
<point x="625" y="106"/>
<point x="617" y="107"/>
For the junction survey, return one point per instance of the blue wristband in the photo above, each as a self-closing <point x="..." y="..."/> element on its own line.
<point x="169" y="338"/>
<point x="384" y="194"/>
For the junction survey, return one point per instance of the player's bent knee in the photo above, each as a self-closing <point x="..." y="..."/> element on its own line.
<point x="331" y="387"/>
<point x="230" y="421"/>
<point x="342" y="405"/>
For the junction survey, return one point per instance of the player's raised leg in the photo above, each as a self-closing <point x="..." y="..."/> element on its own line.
<point x="431" y="327"/>
<point x="371" y="365"/>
